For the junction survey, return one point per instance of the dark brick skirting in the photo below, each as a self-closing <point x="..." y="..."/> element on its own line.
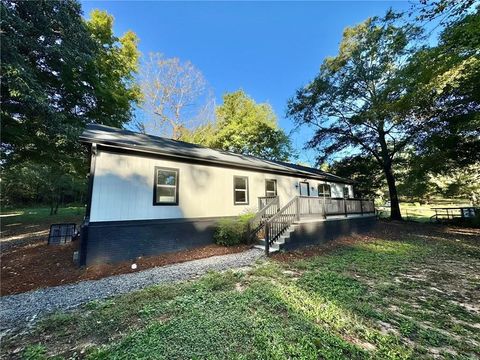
<point x="318" y="232"/>
<point x="114" y="241"/>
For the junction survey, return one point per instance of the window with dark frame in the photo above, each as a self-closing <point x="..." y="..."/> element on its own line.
<point x="166" y="186"/>
<point x="346" y="193"/>
<point x="240" y="190"/>
<point x="304" y="188"/>
<point x="270" y="187"/>
<point x="324" y="190"/>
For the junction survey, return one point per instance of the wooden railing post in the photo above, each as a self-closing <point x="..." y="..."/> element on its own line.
<point x="297" y="208"/>
<point x="345" y="207"/>
<point x="361" y="207"/>
<point x="324" y="209"/>
<point x="267" y="238"/>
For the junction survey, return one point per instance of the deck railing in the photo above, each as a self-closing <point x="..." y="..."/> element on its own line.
<point x="270" y="206"/>
<point x="304" y="207"/>
<point x="281" y="221"/>
<point x="264" y="200"/>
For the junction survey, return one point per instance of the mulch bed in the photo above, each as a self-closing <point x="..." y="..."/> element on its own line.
<point x="38" y="265"/>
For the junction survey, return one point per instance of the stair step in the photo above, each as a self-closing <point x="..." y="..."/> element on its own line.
<point x="272" y="249"/>
<point x="282" y="240"/>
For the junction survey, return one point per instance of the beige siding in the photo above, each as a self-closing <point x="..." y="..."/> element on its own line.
<point x="123" y="189"/>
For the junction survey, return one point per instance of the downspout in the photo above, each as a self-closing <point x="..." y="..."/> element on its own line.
<point x="86" y="221"/>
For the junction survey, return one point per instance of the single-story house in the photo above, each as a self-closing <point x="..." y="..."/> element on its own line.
<point x="149" y="195"/>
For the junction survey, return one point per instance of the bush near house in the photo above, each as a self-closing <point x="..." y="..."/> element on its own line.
<point x="233" y="231"/>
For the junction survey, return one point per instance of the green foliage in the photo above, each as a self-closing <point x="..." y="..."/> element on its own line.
<point x="112" y="72"/>
<point x="59" y="72"/>
<point x="215" y="281"/>
<point x="35" y="352"/>
<point x="46" y="54"/>
<point x="446" y="87"/>
<point x="358" y="98"/>
<point x="33" y="183"/>
<point x="244" y="127"/>
<point x="31" y="217"/>
<point x="447" y="9"/>
<point x="414" y="109"/>
<point x="232" y="231"/>
<point x="369" y="182"/>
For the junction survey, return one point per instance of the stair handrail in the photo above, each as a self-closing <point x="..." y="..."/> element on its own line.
<point x="261" y="215"/>
<point x="281" y="221"/>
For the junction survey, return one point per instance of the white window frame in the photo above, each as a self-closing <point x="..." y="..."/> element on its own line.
<point x="235" y="190"/>
<point x="156" y="186"/>
<point x="323" y="193"/>
<point x="274" y="187"/>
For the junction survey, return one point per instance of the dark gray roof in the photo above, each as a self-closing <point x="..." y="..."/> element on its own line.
<point x="109" y="136"/>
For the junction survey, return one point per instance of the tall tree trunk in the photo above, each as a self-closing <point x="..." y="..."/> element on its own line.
<point x="56" y="205"/>
<point x="395" y="213"/>
<point x="385" y="160"/>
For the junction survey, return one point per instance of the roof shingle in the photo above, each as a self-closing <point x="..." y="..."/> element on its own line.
<point x="109" y="136"/>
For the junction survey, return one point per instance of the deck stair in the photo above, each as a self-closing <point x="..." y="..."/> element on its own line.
<point x="272" y="226"/>
<point x="278" y="244"/>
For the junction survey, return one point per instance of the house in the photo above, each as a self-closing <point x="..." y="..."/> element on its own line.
<point x="149" y="195"/>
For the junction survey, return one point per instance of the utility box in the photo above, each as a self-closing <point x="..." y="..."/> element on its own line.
<point x="61" y="234"/>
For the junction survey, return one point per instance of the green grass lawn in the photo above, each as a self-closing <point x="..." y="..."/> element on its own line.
<point x="422" y="213"/>
<point x="25" y="222"/>
<point x="405" y="291"/>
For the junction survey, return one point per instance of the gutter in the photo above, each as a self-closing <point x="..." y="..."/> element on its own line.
<point x="134" y="148"/>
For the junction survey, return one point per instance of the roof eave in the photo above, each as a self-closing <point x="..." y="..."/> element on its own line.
<point x="140" y="149"/>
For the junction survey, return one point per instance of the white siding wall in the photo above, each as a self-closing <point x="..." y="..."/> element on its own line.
<point x="123" y="189"/>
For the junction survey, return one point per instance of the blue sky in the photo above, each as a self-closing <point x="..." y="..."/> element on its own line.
<point x="268" y="49"/>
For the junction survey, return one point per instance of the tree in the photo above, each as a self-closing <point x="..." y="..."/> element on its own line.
<point x="364" y="170"/>
<point x="46" y="53"/>
<point x="358" y="99"/>
<point x="112" y="72"/>
<point x="446" y="87"/>
<point x="58" y="73"/>
<point x="244" y="127"/>
<point x="428" y="10"/>
<point x="175" y="93"/>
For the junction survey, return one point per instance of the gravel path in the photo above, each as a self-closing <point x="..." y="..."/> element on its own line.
<point x="23" y="309"/>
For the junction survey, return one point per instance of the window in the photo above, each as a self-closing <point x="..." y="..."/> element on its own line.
<point x="324" y="190"/>
<point x="240" y="190"/>
<point x="166" y="186"/>
<point x="346" y="193"/>
<point x="304" y="189"/>
<point x="270" y="187"/>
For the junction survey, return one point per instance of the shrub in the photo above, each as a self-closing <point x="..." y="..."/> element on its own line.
<point x="232" y="231"/>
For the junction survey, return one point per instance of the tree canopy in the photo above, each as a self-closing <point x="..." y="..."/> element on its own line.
<point x="358" y="99"/>
<point x="175" y="95"/>
<point x="244" y="127"/>
<point x="385" y="93"/>
<point x="58" y="73"/>
<point x="446" y="87"/>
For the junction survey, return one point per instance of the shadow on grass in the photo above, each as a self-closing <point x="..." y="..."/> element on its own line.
<point x="356" y="302"/>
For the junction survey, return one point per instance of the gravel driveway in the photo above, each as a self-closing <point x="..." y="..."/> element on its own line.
<point x="23" y="309"/>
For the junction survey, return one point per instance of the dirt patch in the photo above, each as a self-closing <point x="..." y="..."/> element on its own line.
<point x="38" y="265"/>
<point x="316" y="250"/>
